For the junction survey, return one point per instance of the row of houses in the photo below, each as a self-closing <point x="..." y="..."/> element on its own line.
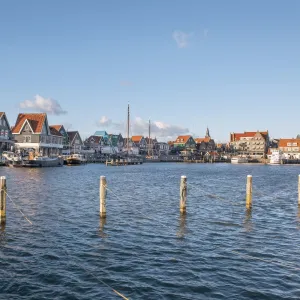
<point x="104" y="143"/>
<point x="33" y="131"/>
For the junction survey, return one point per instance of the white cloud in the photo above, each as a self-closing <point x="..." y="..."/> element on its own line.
<point x="138" y="126"/>
<point x="181" y="38"/>
<point x="41" y="104"/>
<point x="104" y="121"/>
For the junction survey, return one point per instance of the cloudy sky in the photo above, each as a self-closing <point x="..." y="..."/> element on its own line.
<point x="229" y="65"/>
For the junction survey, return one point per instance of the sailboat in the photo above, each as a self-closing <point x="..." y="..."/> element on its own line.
<point x="128" y="159"/>
<point x="151" y="157"/>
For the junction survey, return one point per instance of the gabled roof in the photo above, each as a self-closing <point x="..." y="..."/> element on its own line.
<point x="72" y="135"/>
<point x="284" y="142"/>
<point x="36" y="122"/>
<point x="182" y="139"/>
<point x="101" y="133"/>
<point x="152" y="141"/>
<point x="200" y="140"/>
<point x="94" y="138"/>
<point x="137" y="138"/>
<point x="54" y="131"/>
<point x="130" y="140"/>
<point x="247" y="134"/>
<point x="57" y="127"/>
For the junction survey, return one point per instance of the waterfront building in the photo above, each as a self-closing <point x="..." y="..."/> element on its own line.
<point x="205" y="144"/>
<point x="6" y="136"/>
<point x="32" y="131"/>
<point x="253" y="144"/>
<point x="290" y="148"/>
<point x="94" y="143"/>
<point x="61" y="129"/>
<point x="185" y="142"/>
<point x="116" y="140"/>
<point x="75" y="142"/>
<point x="131" y="148"/>
<point x="140" y="142"/>
<point x="161" y="148"/>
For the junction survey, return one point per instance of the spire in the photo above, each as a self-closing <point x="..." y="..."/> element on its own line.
<point x="207" y="133"/>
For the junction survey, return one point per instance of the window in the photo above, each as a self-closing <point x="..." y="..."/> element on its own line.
<point x="289" y="144"/>
<point x="27" y="139"/>
<point x="294" y="144"/>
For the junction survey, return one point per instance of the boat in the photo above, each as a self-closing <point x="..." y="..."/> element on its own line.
<point x="150" y="157"/>
<point x="43" y="161"/>
<point x="276" y="157"/>
<point x="38" y="161"/>
<point x="239" y="160"/>
<point x="12" y="159"/>
<point x="76" y="159"/>
<point x="127" y="158"/>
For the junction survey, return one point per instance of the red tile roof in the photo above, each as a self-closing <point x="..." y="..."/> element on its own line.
<point x="36" y="122"/>
<point x="248" y="134"/>
<point x="136" y="138"/>
<point x="57" y="127"/>
<point x="284" y="142"/>
<point x="200" y="140"/>
<point x="182" y="139"/>
<point x="54" y="131"/>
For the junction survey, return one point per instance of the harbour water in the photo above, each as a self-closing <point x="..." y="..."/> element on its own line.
<point x="145" y="249"/>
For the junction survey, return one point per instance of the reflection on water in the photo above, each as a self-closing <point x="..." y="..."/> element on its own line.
<point x="102" y="223"/>
<point x="182" y="225"/>
<point x="130" y="250"/>
<point x="2" y="234"/>
<point x="298" y="217"/>
<point x="248" y="220"/>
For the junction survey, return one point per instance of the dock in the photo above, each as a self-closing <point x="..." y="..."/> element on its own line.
<point x="124" y="162"/>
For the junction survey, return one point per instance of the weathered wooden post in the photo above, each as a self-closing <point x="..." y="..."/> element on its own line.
<point x="249" y="192"/>
<point x="2" y="200"/>
<point x="299" y="190"/>
<point x="102" y="197"/>
<point x="183" y="192"/>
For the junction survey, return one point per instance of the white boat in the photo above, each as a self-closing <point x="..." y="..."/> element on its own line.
<point x="76" y="159"/>
<point x="12" y="159"/>
<point x="276" y="157"/>
<point x="239" y="160"/>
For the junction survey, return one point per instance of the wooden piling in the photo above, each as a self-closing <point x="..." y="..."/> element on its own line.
<point x="299" y="190"/>
<point x="102" y="197"/>
<point x="249" y="192"/>
<point x="2" y="200"/>
<point x="183" y="193"/>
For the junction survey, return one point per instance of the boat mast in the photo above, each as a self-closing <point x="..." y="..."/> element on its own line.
<point x="149" y="144"/>
<point x="128" y="115"/>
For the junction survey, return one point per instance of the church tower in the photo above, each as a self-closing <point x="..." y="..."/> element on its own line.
<point x="207" y="135"/>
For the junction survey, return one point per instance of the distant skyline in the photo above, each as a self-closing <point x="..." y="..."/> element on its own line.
<point x="233" y="66"/>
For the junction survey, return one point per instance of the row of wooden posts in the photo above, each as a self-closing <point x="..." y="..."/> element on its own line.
<point x="103" y="192"/>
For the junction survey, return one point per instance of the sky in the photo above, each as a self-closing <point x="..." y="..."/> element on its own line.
<point x="233" y="66"/>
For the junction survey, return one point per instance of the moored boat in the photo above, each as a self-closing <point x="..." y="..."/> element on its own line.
<point x="12" y="159"/>
<point x="276" y="158"/>
<point x="43" y="161"/>
<point x="239" y="160"/>
<point x="76" y="159"/>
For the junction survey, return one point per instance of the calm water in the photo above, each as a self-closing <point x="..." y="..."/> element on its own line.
<point x="145" y="250"/>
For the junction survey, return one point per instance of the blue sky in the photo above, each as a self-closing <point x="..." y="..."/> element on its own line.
<point x="229" y="65"/>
